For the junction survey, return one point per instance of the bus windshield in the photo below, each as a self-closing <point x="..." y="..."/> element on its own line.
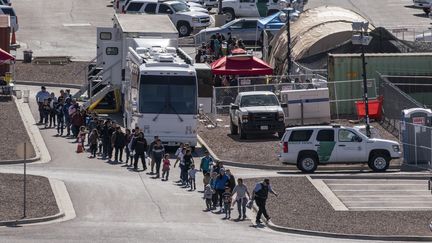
<point x="168" y="94"/>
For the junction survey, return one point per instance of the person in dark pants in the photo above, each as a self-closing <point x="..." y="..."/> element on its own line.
<point x="221" y="182"/>
<point x="150" y="153"/>
<point x="67" y="118"/>
<point x="158" y="152"/>
<point x="41" y="96"/>
<point x="59" y="109"/>
<point x="93" y="140"/>
<point x="118" y="143"/>
<point x="105" y="138"/>
<point x="260" y="194"/>
<point x="139" y="145"/>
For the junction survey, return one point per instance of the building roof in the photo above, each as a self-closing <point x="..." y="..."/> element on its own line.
<point x="145" y="23"/>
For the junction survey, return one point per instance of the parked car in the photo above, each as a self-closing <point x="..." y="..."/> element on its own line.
<point x="184" y="18"/>
<point x="193" y="5"/>
<point x="5" y="9"/>
<point x="244" y="29"/>
<point x="308" y="147"/>
<point x="257" y="112"/>
<point x="423" y="4"/>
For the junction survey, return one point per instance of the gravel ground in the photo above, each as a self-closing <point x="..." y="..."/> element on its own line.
<point x="40" y="198"/>
<point x="260" y="150"/>
<point x="71" y="73"/>
<point x="301" y="206"/>
<point x="12" y="129"/>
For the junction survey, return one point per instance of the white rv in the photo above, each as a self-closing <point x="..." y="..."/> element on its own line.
<point x="161" y="93"/>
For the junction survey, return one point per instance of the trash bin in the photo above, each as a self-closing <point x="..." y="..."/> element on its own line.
<point x="18" y="94"/>
<point x="28" y="54"/>
<point x="416" y="128"/>
<point x="26" y="94"/>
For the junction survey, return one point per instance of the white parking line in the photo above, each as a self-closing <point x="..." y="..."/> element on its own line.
<point x="389" y="196"/>
<point x="420" y="184"/>
<point x="386" y="201"/>
<point x="380" y="190"/>
<point x="408" y="207"/>
<point x="77" y="25"/>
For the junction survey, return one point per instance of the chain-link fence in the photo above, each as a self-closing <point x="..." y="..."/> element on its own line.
<point x="394" y="101"/>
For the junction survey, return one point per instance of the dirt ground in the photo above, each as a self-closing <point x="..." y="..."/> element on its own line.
<point x="71" y="73"/>
<point x="40" y="198"/>
<point x="260" y="150"/>
<point x="12" y="129"/>
<point x="301" y="206"/>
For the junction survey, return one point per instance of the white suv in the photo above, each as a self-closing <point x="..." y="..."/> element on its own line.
<point x="185" y="19"/>
<point x="8" y="10"/>
<point x="307" y="147"/>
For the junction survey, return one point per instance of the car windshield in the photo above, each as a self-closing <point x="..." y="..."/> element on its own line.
<point x="168" y="94"/>
<point x="180" y="7"/>
<point x="259" y="100"/>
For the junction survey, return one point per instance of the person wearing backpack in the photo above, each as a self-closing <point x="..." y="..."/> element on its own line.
<point x="118" y="143"/>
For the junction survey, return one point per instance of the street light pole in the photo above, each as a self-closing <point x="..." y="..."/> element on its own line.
<point x="288" y="26"/>
<point x="365" y="91"/>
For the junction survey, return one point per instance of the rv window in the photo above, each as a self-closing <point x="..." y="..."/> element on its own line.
<point x="150" y="8"/>
<point x="105" y="36"/>
<point x="112" y="51"/>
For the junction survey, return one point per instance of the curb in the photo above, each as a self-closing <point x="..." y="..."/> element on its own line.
<point x="48" y="84"/>
<point x="343" y="236"/>
<point x="272" y="167"/>
<point x="30" y="134"/>
<point x="60" y="214"/>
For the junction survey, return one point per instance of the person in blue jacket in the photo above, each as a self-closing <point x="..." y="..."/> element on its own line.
<point x="221" y="182"/>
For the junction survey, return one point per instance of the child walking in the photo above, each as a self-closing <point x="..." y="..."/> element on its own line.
<point x="93" y="140"/>
<point x="192" y="174"/>
<point x="165" y="167"/>
<point x="208" y="196"/>
<point x="227" y="198"/>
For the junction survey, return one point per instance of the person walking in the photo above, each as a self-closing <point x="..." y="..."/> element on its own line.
<point x="260" y="194"/>
<point x="135" y="134"/>
<point x="220" y="184"/>
<point x="208" y="196"/>
<point x="158" y="152"/>
<point x="165" y="167"/>
<point x="41" y="96"/>
<point x="52" y="115"/>
<point x="93" y="140"/>
<point x="180" y="158"/>
<point x="242" y="195"/>
<point x="128" y="138"/>
<point x="231" y="181"/>
<point x="67" y="118"/>
<point x="206" y="162"/>
<point x="150" y="153"/>
<point x="46" y="110"/>
<point x="118" y="142"/>
<point x="188" y="161"/>
<point x="227" y="198"/>
<point x="59" y="110"/>
<point x="139" y="145"/>
<point x="192" y="175"/>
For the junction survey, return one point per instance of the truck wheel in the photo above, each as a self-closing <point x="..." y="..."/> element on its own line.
<point x="184" y="29"/>
<point x="379" y="162"/>
<point x="307" y="163"/>
<point x="229" y="14"/>
<point x="233" y="128"/>
<point x="241" y="132"/>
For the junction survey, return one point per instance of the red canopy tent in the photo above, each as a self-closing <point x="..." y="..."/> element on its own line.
<point x="246" y="65"/>
<point x="5" y="56"/>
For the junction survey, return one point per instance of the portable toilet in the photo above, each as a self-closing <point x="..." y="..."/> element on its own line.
<point x="416" y="135"/>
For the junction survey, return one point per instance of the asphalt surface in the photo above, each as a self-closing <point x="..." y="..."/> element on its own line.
<point x="114" y="204"/>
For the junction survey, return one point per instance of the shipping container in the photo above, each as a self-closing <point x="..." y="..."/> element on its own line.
<point x="347" y="67"/>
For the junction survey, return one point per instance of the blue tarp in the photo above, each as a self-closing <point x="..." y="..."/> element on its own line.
<point x="271" y="22"/>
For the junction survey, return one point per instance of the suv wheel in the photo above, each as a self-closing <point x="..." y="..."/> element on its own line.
<point x="230" y="15"/>
<point x="307" y="163"/>
<point x="379" y="162"/>
<point x="233" y="128"/>
<point x="184" y="29"/>
<point x="241" y="132"/>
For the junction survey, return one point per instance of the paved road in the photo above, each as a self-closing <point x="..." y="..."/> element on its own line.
<point x="114" y="204"/>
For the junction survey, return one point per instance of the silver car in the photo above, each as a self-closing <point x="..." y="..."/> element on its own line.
<point x="244" y="29"/>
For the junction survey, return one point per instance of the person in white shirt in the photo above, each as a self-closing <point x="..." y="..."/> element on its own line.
<point x="41" y="96"/>
<point x="192" y="175"/>
<point x="242" y="195"/>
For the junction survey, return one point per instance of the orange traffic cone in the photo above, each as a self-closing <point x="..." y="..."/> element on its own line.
<point x="80" y="148"/>
<point x="13" y="41"/>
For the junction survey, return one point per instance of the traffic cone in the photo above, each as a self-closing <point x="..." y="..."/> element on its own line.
<point x="13" y="41"/>
<point x="80" y="148"/>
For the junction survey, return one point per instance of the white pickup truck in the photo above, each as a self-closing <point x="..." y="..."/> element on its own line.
<point x="257" y="112"/>
<point x="308" y="147"/>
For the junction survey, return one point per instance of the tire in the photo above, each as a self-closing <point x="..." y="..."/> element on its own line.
<point x="241" y="132"/>
<point x="307" y="163"/>
<point x="233" y="128"/>
<point x="379" y="162"/>
<point x="184" y="29"/>
<point x="230" y="14"/>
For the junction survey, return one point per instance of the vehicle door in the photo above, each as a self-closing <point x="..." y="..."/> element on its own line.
<point x="150" y="8"/>
<point x="249" y="30"/>
<point x="247" y="8"/>
<point x="350" y="146"/>
<point x="134" y="7"/>
<point x="105" y="35"/>
<point x="112" y="61"/>
<point x="325" y="144"/>
<point x="166" y="10"/>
